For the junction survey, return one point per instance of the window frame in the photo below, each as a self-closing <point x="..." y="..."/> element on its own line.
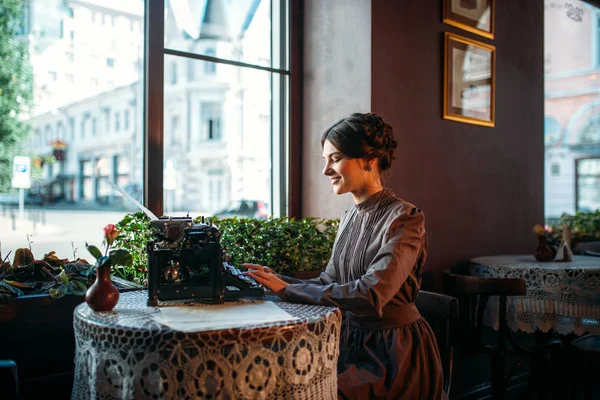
<point x="288" y="144"/>
<point x="577" y="176"/>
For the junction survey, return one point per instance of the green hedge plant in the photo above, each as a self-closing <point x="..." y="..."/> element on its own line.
<point x="286" y="245"/>
<point x="585" y="227"/>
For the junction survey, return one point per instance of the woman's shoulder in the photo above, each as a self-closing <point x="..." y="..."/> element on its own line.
<point x="398" y="207"/>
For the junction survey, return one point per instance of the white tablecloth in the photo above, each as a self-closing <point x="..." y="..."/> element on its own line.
<point x="130" y="353"/>
<point x="561" y="296"/>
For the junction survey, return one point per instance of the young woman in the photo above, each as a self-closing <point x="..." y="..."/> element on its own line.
<point x="387" y="350"/>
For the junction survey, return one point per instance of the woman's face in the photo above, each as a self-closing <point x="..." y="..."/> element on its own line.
<point x="346" y="174"/>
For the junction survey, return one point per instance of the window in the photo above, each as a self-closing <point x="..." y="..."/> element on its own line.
<point x="175" y="130"/>
<point x="117" y="122"/>
<point x="210" y="67"/>
<point x="231" y="108"/>
<point x="48" y="135"/>
<point x="85" y="112"/>
<point x="215" y="185"/>
<point x="106" y="111"/>
<point x="190" y="70"/>
<point x="211" y="120"/>
<point x="234" y="104"/>
<point x="572" y="108"/>
<point x="173" y="73"/>
<point x="71" y="128"/>
<point x="82" y="131"/>
<point x="85" y="180"/>
<point x="588" y="184"/>
<point x="60" y="131"/>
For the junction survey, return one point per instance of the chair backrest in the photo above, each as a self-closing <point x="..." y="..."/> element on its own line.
<point x="473" y="293"/>
<point x="441" y="312"/>
<point x="582" y="247"/>
<point x="591" y="253"/>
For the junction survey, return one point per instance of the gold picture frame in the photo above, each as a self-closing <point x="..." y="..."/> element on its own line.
<point x="469" y="80"/>
<point x="475" y="16"/>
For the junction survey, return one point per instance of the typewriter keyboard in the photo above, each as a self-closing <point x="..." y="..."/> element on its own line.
<point x="237" y="274"/>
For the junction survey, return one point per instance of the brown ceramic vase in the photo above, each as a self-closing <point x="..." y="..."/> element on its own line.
<point x="102" y="295"/>
<point x="543" y="251"/>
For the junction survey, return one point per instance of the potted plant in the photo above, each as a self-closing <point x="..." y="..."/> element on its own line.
<point x="585" y="230"/>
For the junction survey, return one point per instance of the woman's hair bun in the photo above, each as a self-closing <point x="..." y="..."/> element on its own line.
<point x="363" y="135"/>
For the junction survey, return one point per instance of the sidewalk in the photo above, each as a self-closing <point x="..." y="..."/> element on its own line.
<point x="22" y="227"/>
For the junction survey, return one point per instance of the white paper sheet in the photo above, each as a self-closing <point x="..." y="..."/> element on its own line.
<point x="205" y="317"/>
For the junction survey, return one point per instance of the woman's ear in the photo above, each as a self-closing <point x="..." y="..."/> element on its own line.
<point x="369" y="165"/>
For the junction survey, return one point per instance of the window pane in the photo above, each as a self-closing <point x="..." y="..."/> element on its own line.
<point x="588" y="184"/>
<point x="572" y="107"/>
<point x="218" y="149"/>
<point x="238" y="30"/>
<point x="85" y="123"/>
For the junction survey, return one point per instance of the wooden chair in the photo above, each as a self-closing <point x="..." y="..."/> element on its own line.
<point x="583" y="247"/>
<point x="473" y="294"/>
<point x="441" y="312"/>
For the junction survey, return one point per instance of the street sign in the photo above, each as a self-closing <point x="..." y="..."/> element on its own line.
<point x="21" y="176"/>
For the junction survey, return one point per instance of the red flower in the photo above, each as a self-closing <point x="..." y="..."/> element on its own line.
<point x="110" y="233"/>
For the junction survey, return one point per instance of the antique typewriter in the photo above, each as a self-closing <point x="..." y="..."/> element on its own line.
<point x="186" y="261"/>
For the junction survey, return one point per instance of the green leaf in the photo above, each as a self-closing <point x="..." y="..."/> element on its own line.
<point x="77" y="287"/>
<point x="93" y="251"/>
<point x="120" y="257"/>
<point x="63" y="277"/>
<point x="102" y="261"/>
<point x="58" y="291"/>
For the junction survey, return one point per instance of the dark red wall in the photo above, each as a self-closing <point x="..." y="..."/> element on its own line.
<point x="482" y="189"/>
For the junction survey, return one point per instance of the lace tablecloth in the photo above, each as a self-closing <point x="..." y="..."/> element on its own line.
<point x="561" y="296"/>
<point x="126" y="354"/>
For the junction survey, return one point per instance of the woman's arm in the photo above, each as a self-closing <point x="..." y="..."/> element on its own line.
<point x="326" y="277"/>
<point x="401" y="251"/>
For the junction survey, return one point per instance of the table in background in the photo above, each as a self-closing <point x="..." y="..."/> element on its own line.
<point x="125" y="353"/>
<point x="561" y="296"/>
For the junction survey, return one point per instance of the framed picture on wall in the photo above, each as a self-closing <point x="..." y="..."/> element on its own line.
<point x="476" y="16"/>
<point x="469" y="80"/>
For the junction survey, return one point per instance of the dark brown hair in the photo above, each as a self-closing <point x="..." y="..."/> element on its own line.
<point x="365" y="136"/>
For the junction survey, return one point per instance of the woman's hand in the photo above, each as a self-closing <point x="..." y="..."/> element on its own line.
<point x="266" y="277"/>
<point x="256" y="267"/>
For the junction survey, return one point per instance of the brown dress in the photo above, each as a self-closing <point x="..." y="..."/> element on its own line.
<point x="387" y="350"/>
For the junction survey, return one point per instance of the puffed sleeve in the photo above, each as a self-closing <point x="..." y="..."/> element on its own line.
<point x="398" y="255"/>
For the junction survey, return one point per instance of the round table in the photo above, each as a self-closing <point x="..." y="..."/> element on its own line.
<point x="561" y="296"/>
<point x="134" y="351"/>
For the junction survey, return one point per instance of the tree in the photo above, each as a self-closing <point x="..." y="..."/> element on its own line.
<point x="15" y="85"/>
